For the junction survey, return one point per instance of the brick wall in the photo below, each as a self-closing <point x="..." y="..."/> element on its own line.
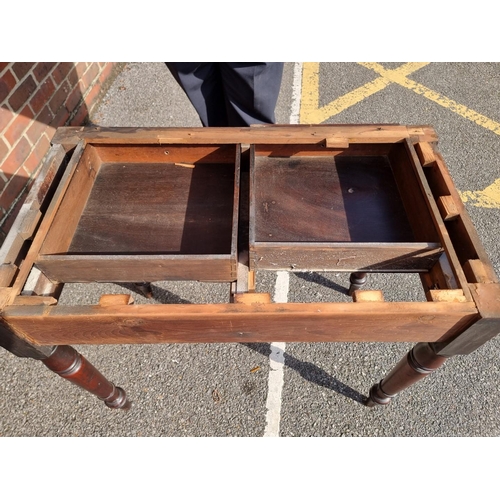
<point x="35" y="99"/>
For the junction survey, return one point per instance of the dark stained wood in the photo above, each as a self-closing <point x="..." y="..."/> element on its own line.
<point x="298" y="201"/>
<point x="161" y="209"/>
<point x="356" y="281"/>
<point x="137" y="268"/>
<point x="417" y="364"/>
<point x="347" y="257"/>
<point x="19" y="346"/>
<point x="323" y="322"/>
<point x="487" y="299"/>
<point x="119" y="221"/>
<point x="411" y="194"/>
<point x="71" y="365"/>
<point x="327" y="199"/>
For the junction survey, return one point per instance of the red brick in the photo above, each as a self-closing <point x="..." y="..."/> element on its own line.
<point x="35" y="131"/>
<point x="13" y="190"/>
<point x="21" y="95"/>
<point x="3" y="66"/>
<point x="4" y="149"/>
<point x="106" y="72"/>
<point x="80" y="116"/>
<point x="50" y="131"/>
<point x="42" y="70"/>
<point x="81" y="67"/>
<point x="21" y="69"/>
<point x="45" y="116"/>
<point x="19" y="126"/>
<point x="61" y="71"/>
<point x="91" y="97"/>
<point x="31" y="163"/>
<point x="7" y="83"/>
<point x="73" y="78"/>
<point x="16" y="157"/>
<point x="73" y="100"/>
<point x="89" y="76"/>
<point x="61" y="118"/>
<point x="59" y="97"/>
<point x="42" y="95"/>
<point x="35" y="158"/>
<point x="6" y="116"/>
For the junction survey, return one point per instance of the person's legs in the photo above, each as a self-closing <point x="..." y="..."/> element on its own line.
<point x="251" y="91"/>
<point x="202" y="84"/>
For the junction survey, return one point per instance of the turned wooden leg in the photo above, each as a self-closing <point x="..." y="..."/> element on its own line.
<point x="357" y="281"/>
<point x="71" y="365"/>
<point x="416" y="365"/>
<point x="144" y="289"/>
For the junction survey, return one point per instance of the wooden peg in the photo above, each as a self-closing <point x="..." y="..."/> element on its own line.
<point x="368" y="296"/>
<point x="115" y="299"/>
<point x="425" y="153"/>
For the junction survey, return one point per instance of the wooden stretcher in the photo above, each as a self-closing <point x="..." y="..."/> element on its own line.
<point x="220" y="204"/>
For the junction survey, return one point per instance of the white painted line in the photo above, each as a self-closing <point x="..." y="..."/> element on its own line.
<point x="276" y="365"/>
<point x="277" y="356"/>
<point x="296" y="93"/>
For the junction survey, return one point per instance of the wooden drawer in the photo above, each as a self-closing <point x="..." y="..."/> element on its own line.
<point x="146" y="213"/>
<point x="358" y="208"/>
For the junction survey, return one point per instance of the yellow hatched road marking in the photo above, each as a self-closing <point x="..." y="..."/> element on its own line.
<point x="400" y="78"/>
<point x="311" y="112"/>
<point x="487" y="198"/>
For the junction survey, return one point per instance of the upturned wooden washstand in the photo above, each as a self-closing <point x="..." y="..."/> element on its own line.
<point x="144" y="205"/>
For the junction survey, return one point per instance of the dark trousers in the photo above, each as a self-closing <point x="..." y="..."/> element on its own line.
<point x="230" y="94"/>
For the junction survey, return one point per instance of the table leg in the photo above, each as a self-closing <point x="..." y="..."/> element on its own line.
<point x="144" y="289"/>
<point x="71" y="365"/>
<point x="417" y="364"/>
<point x="357" y="281"/>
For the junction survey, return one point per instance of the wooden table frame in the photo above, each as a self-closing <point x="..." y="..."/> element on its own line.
<point x="462" y="311"/>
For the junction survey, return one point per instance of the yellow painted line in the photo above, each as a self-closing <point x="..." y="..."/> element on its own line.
<point x="310" y="112"/>
<point x="401" y="79"/>
<point x="487" y="198"/>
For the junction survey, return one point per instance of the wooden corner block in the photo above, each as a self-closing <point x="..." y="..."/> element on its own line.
<point x="447" y="207"/>
<point x="7" y="274"/>
<point x="337" y="142"/>
<point x="251" y="281"/>
<point x="252" y="298"/>
<point x="446" y="296"/>
<point x="425" y="153"/>
<point x="34" y="300"/>
<point x="368" y="296"/>
<point x="185" y="165"/>
<point x="115" y="299"/>
<point x="475" y="272"/>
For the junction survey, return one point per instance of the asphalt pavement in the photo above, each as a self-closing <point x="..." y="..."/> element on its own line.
<point x="222" y="389"/>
